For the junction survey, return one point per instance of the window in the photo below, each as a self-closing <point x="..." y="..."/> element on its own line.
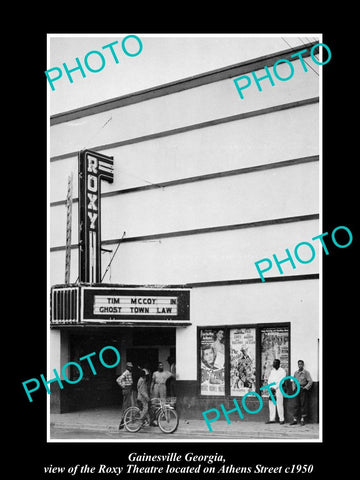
<point x="235" y="360"/>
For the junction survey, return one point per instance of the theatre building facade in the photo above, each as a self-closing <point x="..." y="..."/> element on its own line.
<point x="179" y="191"/>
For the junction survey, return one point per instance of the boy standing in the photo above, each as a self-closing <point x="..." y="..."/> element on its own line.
<point x="143" y="397"/>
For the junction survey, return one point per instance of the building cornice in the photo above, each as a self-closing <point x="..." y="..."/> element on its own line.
<point x="180" y="85"/>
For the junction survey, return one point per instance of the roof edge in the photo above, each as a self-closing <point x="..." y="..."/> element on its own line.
<point x="178" y="85"/>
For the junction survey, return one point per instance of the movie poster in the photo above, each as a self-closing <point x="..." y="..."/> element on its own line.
<point x="242" y="361"/>
<point x="274" y="344"/>
<point x="212" y="354"/>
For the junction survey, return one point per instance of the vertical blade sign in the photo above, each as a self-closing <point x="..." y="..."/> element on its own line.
<point x="68" y="228"/>
<point x="93" y="167"/>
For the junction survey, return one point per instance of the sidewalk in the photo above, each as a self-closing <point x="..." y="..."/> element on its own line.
<point x="106" y="420"/>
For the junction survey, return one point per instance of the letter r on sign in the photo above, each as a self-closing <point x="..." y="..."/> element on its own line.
<point x="92" y="164"/>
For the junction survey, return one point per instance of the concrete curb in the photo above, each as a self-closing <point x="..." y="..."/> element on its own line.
<point x="196" y="428"/>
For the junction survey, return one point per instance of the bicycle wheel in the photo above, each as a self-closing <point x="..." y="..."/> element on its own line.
<point x="132" y="421"/>
<point x="168" y="420"/>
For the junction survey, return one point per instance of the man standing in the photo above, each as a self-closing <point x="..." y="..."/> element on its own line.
<point x="171" y="380"/>
<point x="301" y="400"/>
<point x="276" y="375"/>
<point x="126" y="381"/>
<point x="143" y="397"/>
<point x="158" y="382"/>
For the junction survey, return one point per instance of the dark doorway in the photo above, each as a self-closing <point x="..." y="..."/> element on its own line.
<point x="143" y="349"/>
<point x="93" y="390"/>
<point x="143" y="357"/>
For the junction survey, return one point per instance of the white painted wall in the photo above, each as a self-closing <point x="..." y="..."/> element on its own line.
<point x="206" y="257"/>
<point x="244" y="143"/>
<point x="265" y="195"/>
<point x="59" y="353"/>
<point x="188" y="107"/>
<point x="295" y="302"/>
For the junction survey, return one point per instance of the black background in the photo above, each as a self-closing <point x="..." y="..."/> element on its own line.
<point x="26" y="266"/>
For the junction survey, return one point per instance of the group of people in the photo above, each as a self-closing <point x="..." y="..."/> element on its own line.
<point x="145" y="388"/>
<point x="300" y="401"/>
<point x="162" y="382"/>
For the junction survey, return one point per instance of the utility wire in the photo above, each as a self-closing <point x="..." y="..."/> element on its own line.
<point x="309" y="41"/>
<point x="112" y="258"/>
<point x="140" y="178"/>
<point x="293" y="48"/>
<point x="98" y="131"/>
<point x="131" y="174"/>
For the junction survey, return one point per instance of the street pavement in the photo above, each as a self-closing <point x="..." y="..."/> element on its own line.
<point x="103" y="424"/>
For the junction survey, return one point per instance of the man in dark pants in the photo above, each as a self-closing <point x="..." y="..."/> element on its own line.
<point x="125" y="381"/>
<point x="301" y="400"/>
<point x="170" y="384"/>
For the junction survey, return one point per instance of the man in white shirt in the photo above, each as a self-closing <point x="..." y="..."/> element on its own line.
<point x="158" y="382"/>
<point x="276" y="375"/>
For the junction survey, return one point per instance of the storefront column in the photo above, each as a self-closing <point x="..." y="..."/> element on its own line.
<point x="59" y="355"/>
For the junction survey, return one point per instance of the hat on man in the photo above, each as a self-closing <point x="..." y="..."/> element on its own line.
<point x="129" y="364"/>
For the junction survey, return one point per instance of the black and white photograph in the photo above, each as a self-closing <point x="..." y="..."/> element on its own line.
<point x="189" y="228"/>
<point x="184" y="235"/>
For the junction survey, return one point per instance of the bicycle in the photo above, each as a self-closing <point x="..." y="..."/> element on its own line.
<point x="163" y="411"/>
